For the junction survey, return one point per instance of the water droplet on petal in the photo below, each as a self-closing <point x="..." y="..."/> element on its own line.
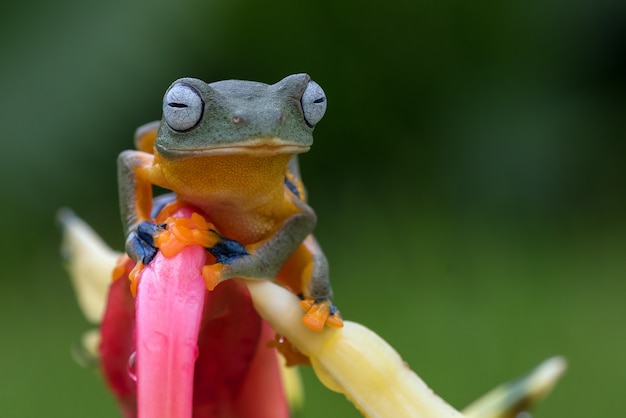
<point x="132" y="366"/>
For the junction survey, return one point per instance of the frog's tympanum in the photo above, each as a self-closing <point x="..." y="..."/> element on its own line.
<point x="230" y="149"/>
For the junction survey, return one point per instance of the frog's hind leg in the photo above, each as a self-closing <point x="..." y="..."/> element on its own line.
<point x="306" y="274"/>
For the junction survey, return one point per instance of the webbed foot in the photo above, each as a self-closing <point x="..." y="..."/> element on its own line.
<point x="319" y="313"/>
<point x="226" y="251"/>
<point x="140" y="245"/>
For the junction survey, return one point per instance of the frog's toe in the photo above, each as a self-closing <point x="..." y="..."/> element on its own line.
<point x="141" y="242"/>
<point x="334" y="319"/>
<point x="320" y="313"/>
<point x="212" y="273"/>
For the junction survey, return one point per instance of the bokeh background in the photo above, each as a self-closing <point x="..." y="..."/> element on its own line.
<point x="469" y="177"/>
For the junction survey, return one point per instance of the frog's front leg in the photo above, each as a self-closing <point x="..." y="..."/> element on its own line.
<point x="293" y="256"/>
<point x="136" y="175"/>
<point x="263" y="260"/>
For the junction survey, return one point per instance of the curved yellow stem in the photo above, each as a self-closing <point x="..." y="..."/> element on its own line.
<point x="352" y="360"/>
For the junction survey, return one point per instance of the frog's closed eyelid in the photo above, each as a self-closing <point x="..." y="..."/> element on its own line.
<point x="313" y="103"/>
<point x="182" y="107"/>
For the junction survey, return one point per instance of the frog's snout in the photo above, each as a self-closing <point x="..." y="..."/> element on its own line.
<point x="266" y="119"/>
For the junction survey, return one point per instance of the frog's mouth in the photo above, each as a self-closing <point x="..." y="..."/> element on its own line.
<point x="261" y="147"/>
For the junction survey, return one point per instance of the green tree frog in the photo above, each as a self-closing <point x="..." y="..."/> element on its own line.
<point x="230" y="149"/>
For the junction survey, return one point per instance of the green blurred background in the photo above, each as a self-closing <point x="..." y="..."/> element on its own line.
<point x="468" y="177"/>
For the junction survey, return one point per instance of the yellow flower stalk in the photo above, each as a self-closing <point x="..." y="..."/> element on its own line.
<point x="351" y="360"/>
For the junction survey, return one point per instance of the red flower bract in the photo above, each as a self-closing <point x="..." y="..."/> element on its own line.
<point x="198" y="353"/>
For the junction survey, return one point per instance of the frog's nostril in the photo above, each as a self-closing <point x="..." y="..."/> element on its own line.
<point x="265" y="120"/>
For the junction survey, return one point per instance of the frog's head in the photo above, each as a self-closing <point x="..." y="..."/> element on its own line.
<point x="237" y="116"/>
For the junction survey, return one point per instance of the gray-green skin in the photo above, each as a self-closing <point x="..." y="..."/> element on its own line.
<point x="237" y="112"/>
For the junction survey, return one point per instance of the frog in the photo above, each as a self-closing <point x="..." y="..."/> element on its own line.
<point x="230" y="149"/>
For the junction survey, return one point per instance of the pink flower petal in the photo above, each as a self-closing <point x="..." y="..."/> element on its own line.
<point x="169" y="303"/>
<point x="262" y="394"/>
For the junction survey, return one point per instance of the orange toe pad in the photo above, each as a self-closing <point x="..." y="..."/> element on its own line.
<point x="318" y="314"/>
<point x="212" y="274"/>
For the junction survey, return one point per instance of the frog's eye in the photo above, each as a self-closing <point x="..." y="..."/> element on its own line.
<point x="182" y="107"/>
<point x="313" y="103"/>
